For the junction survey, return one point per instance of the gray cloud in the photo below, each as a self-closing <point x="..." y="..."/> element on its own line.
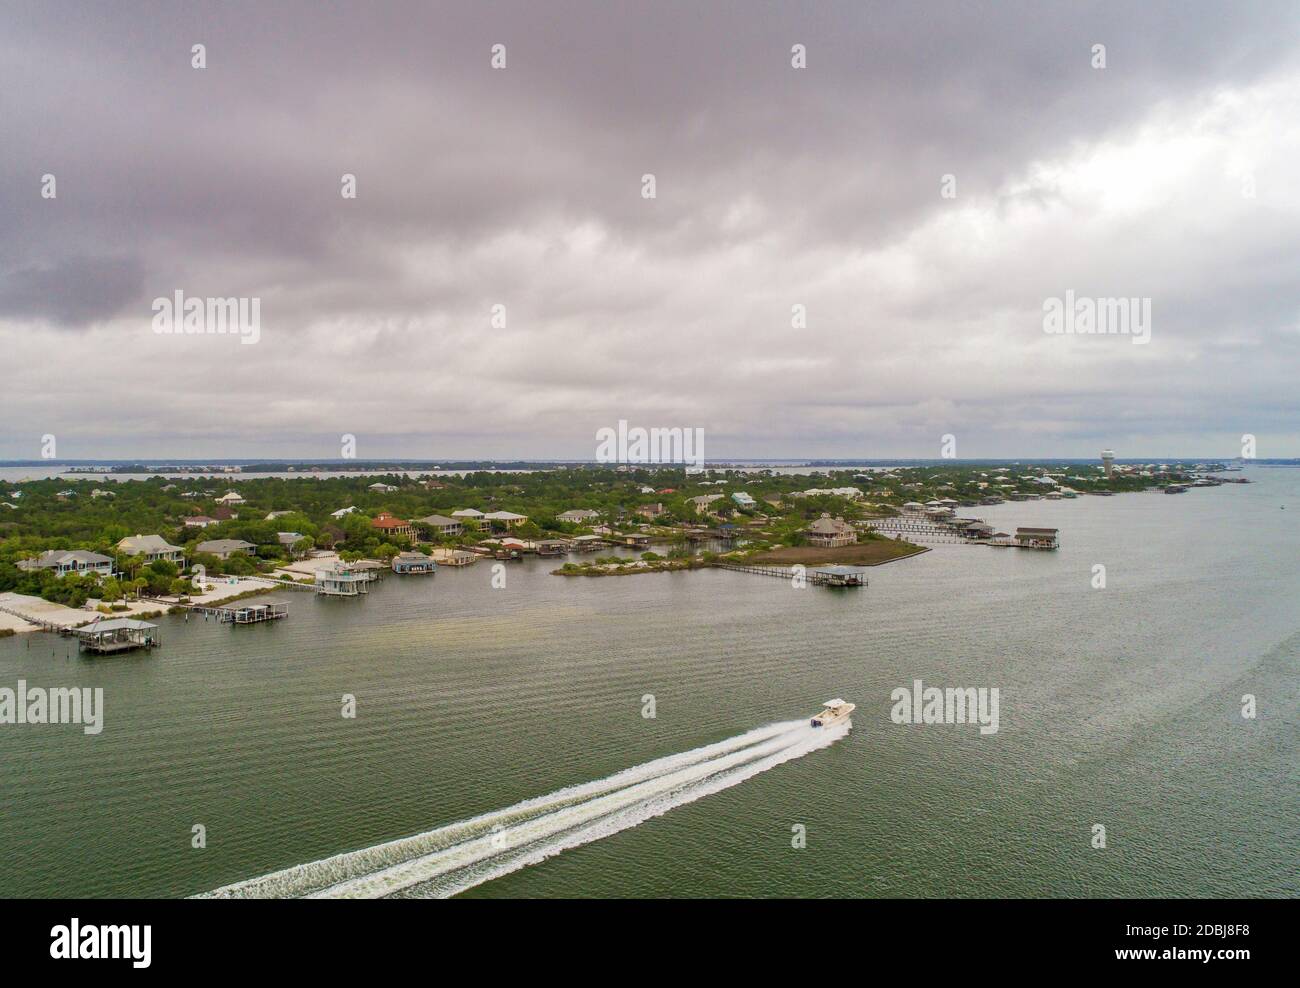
<point x="521" y="187"/>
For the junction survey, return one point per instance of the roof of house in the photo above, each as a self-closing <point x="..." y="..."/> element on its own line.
<point x="504" y="516"/>
<point x="135" y="544"/>
<point x="826" y="525"/>
<point x="114" y="624"/>
<point x="385" y="520"/>
<point x="223" y="545"/>
<point x="437" y="521"/>
<point x="54" y="557"/>
<point x="467" y="513"/>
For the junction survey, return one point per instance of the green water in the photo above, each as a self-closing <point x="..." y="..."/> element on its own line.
<point x="1118" y="706"/>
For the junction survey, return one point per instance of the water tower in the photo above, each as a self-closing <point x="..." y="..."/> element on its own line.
<point x="1108" y="461"/>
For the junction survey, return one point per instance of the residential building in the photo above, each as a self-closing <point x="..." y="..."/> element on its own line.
<point x="61" y="562"/>
<point x="152" y="548"/>
<point x="506" y="519"/>
<point x="827" y="532"/>
<point x="199" y="521"/>
<point x="390" y="525"/>
<point x="225" y="548"/>
<point x="578" y="516"/>
<point x="441" y="525"/>
<point x="231" y="499"/>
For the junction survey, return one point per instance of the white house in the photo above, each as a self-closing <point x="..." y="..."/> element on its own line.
<point x="230" y="498"/>
<point x="506" y="518"/>
<point x="343" y="512"/>
<point x="578" y="516"/>
<point x="64" y="561"/>
<point x="152" y="547"/>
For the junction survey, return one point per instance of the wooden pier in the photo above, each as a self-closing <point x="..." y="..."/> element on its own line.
<point x="825" y="576"/>
<point x="269" y="610"/>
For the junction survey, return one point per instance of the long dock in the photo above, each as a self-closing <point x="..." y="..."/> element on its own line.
<point x="830" y="576"/>
<point x="269" y="610"/>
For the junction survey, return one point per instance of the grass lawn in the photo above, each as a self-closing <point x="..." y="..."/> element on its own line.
<point x="873" y="552"/>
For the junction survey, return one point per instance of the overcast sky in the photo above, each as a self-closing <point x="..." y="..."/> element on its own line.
<point x="1169" y="174"/>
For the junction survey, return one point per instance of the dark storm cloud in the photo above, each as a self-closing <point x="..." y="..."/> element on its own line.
<point x="478" y="186"/>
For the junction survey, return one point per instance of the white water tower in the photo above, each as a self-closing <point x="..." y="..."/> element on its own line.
<point x="1108" y="461"/>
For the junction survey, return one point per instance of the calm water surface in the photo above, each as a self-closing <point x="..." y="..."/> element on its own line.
<point x="1118" y="706"/>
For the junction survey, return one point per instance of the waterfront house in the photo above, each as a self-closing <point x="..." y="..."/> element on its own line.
<point x="225" y="548"/>
<point x="342" y="580"/>
<point x="292" y="541"/>
<point x="1037" y="538"/>
<point x="152" y="548"/>
<point x="413" y="562"/>
<point x="506" y="519"/>
<point x="441" y="525"/>
<point x="827" y="532"/>
<point x="116" y="635"/>
<point x="390" y="525"/>
<point x="841" y="576"/>
<point x="578" y="516"/>
<point x="61" y="562"/>
<point x="454" y="557"/>
<point x="470" y="516"/>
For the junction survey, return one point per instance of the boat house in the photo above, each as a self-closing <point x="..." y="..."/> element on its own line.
<point x="840" y="576"/>
<point x="116" y="635"/>
<point x="413" y="562"/>
<point x="1037" y="538"/>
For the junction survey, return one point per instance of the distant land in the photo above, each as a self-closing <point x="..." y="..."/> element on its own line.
<point x="255" y="465"/>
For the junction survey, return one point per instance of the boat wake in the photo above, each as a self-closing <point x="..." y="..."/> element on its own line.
<point x="451" y="859"/>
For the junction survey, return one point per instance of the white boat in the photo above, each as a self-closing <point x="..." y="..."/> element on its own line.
<point x="833" y="712"/>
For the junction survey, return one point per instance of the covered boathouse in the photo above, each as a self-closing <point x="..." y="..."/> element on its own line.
<point x="116" y="635"/>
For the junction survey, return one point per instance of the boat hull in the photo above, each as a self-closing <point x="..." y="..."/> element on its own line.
<point x="827" y="719"/>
